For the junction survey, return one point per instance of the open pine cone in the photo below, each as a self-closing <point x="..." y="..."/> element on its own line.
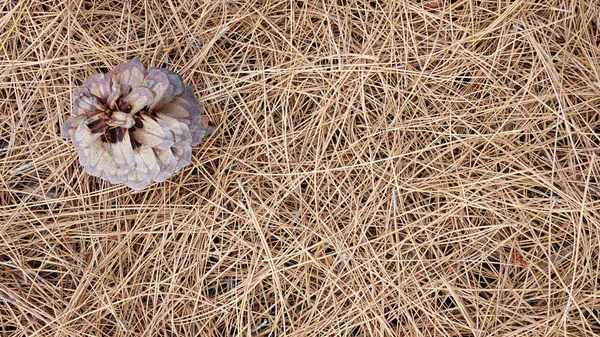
<point x="134" y="125"/>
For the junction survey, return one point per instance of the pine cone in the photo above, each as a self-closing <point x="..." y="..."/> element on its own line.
<point x="134" y="125"/>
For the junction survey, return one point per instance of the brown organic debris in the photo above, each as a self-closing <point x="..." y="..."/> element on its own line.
<point x="134" y="126"/>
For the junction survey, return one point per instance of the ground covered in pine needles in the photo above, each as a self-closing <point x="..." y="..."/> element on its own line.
<point x="379" y="168"/>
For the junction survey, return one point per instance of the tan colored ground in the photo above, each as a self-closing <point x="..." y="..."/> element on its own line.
<point x="379" y="168"/>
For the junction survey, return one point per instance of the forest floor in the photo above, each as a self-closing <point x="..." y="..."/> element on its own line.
<point x="378" y="168"/>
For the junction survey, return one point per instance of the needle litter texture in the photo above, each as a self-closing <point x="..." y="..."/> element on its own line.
<point x="135" y="126"/>
<point x="418" y="168"/>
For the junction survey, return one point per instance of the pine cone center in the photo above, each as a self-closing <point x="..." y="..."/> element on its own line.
<point x="121" y="119"/>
